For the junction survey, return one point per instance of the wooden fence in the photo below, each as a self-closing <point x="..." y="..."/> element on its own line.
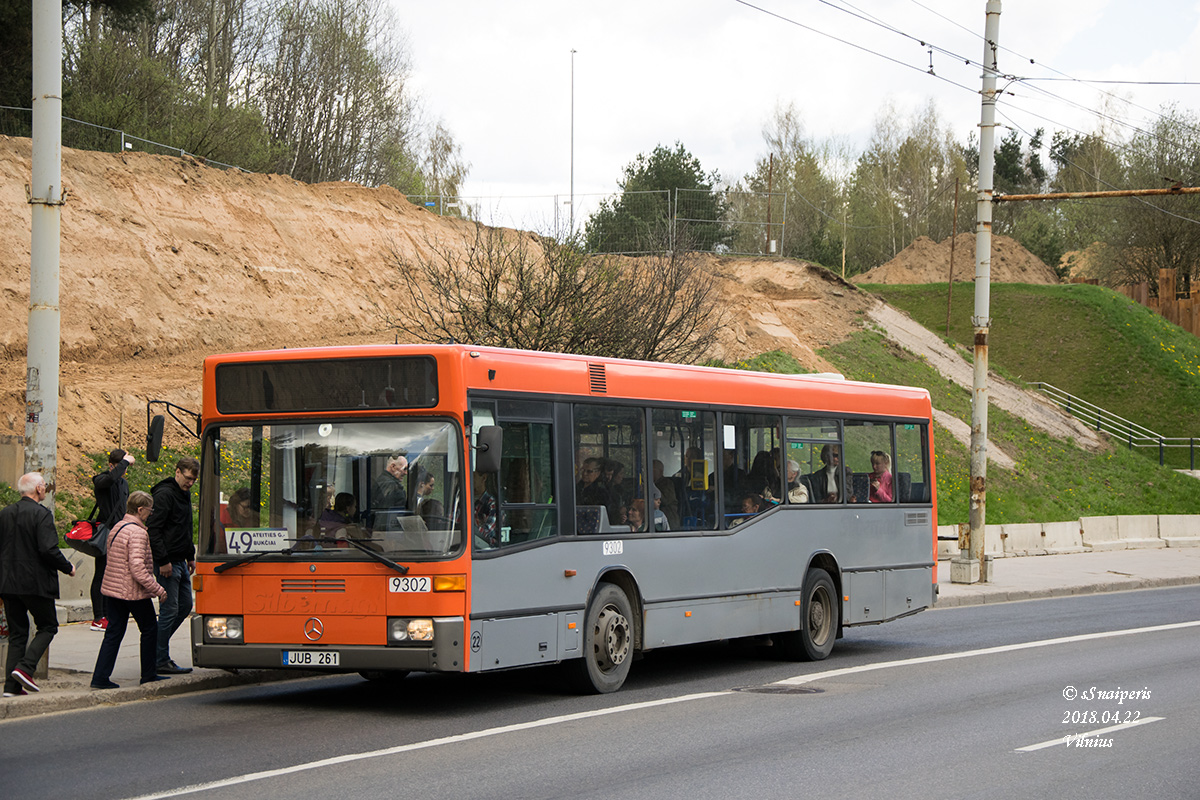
<point x="1183" y="309"/>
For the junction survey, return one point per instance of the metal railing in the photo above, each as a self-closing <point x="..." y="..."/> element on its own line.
<point x="1121" y="429"/>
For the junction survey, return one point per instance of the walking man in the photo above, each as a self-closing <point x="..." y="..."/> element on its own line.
<point x="29" y="556"/>
<point x="170" y="528"/>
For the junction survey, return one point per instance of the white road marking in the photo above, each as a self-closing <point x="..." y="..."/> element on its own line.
<point x="987" y="651"/>
<point x="541" y="723"/>
<point x="405" y="748"/>
<point x="1076" y="736"/>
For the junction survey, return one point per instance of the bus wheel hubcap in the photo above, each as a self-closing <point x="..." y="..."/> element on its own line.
<point x="613" y="637"/>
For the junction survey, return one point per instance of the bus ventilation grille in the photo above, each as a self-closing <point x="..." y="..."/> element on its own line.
<point x="597" y="379"/>
<point x="916" y="518"/>
<point x="311" y="585"/>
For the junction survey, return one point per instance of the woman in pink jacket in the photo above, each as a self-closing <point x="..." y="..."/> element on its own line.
<point x="128" y="586"/>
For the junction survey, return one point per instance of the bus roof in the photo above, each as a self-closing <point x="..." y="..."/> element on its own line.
<point x="494" y="369"/>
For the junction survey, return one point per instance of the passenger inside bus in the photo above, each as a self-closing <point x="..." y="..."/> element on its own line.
<point x="424" y="487"/>
<point x="635" y="516"/>
<point x="827" y="481"/>
<point x="797" y="491"/>
<point x="667" y="500"/>
<point x="590" y="490"/>
<point x="338" y="522"/>
<point x="752" y="505"/>
<point x="881" y="477"/>
<point x="388" y="492"/>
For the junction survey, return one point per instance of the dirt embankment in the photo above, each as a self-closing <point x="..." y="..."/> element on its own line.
<point x="926" y="261"/>
<point x="165" y="261"/>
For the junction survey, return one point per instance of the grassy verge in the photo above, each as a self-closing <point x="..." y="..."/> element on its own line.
<point x="1086" y="340"/>
<point x="1054" y="480"/>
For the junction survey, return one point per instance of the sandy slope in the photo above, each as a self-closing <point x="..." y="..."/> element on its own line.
<point x="166" y="260"/>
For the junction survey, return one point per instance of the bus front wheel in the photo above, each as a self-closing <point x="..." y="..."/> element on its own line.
<point x="608" y="641"/>
<point x="818" y="620"/>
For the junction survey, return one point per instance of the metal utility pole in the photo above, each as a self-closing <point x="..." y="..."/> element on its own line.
<point x="572" y="212"/>
<point x="970" y="566"/>
<point x="45" y="199"/>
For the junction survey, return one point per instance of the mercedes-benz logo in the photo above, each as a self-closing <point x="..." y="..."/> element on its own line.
<point x="313" y="629"/>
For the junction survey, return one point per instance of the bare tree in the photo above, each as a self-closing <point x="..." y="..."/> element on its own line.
<point x="509" y="289"/>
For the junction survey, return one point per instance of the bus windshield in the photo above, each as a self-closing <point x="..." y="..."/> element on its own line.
<point x="393" y="486"/>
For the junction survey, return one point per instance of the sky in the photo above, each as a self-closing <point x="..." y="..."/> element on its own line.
<point x="711" y="73"/>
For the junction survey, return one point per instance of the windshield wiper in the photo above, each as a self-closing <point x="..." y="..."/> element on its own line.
<point x="252" y="557"/>
<point x="403" y="570"/>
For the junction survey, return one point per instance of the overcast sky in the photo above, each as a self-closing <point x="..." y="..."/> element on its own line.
<point x="709" y="73"/>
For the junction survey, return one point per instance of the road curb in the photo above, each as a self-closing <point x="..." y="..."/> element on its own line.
<point x="51" y="700"/>
<point x="985" y="597"/>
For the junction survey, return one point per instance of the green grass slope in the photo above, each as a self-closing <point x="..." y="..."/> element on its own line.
<point x="1086" y="340"/>
<point x="1054" y="480"/>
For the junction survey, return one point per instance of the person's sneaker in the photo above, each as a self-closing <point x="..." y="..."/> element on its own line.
<point x="155" y="679"/>
<point x="17" y="693"/>
<point x="25" y="679"/>
<point x="100" y="624"/>
<point x="171" y="668"/>
<point x="106" y="685"/>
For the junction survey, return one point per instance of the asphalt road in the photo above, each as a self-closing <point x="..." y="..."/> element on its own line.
<point x="898" y="711"/>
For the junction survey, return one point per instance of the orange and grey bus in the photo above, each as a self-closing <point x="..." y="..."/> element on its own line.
<point x="446" y="508"/>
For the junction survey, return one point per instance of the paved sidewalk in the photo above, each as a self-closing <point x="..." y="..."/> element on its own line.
<point x="73" y="653"/>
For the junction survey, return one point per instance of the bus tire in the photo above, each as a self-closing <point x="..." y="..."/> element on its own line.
<point x="819" y="620"/>
<point x="388" y="676"/>
<point x="608" y="642"/>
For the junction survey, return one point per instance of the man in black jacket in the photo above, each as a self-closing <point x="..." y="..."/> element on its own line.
<point x="112" y="493"/>
<point x="170" y="528"/>
<point x="29" y="556"/>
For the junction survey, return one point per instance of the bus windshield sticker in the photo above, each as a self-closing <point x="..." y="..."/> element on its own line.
<point x="251" y="540"/>
<point x="614" y="548"/>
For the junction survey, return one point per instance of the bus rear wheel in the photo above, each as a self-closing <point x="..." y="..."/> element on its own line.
<point x="608" y="642"/>
<point x="818" y="620"/>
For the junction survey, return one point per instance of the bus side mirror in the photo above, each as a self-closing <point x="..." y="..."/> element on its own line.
<point x="488" y="444"/>
<point x="154" y="437"/>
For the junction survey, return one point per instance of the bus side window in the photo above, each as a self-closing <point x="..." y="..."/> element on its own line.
<point x="610" y="457"/>
<point x="527" y="509"/>
<point x="685" y="443"/>
<point x="869" y="464"/>
<point x="912" y="463"/>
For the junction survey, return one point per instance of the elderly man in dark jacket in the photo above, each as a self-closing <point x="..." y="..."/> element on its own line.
<point x="170" y="528"/>
<point x="29" y="556"/>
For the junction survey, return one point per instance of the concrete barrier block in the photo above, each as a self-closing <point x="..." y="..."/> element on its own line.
<point x="1101" y="533"/>
<point x="1139" y="531"/>
<point x="993" y="545"/>
<point x="1022" y="539"/>
<point x="1179" y="530"/>
<point x="1062" y="537"/>
<point x="948" y="545"/>
<point x="81" y="585"/>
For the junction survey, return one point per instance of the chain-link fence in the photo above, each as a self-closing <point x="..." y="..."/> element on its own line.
<point x="82" y="135"/>
<point x="635" y="223"/>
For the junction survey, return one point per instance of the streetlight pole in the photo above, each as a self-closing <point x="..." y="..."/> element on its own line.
<point x="571" y="229"/>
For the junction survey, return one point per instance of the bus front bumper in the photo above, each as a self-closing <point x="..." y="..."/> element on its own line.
<point x="446" y="655"/>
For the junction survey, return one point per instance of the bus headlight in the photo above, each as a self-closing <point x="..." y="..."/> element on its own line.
<point x="402" y="630"/>
<point x="223" y="629"/>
